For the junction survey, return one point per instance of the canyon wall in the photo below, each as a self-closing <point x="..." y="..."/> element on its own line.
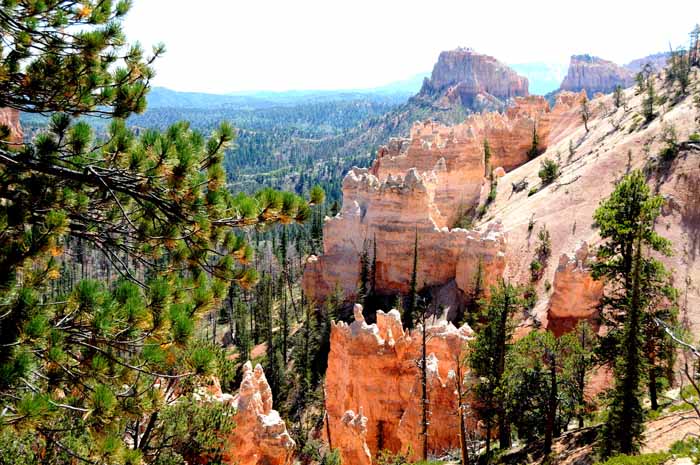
<point x="594" y="75"/>
<point x="418" y="187"/>
<point x="10" y="117"/>
<point x="576" y="294"/>
<point x="471" y="80"/>
<point x="373" y="370"/>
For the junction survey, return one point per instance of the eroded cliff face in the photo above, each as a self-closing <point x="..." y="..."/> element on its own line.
<point x="594" y="75"/>
<point x="10" y="117"/>
<point x="373" y="370"/>
<point x="260" y="436"/>
<point x="576" y="294"/>
<point x="462" y="77"/>
<point x="418" y="187"/>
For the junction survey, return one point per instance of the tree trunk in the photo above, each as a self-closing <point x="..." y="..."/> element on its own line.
<point x="552" y="405"/>
<point x="424" y="391"/>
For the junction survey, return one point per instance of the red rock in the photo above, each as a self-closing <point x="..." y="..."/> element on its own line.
<point x="373" y="368"/>
<point x="465" y="76"/>
<point x="260" y="436"/>
<point x="594" y="74"/>
<point x="576" y="294"/>
<point x="421" y="185"/>
<point x="10" y="117"/>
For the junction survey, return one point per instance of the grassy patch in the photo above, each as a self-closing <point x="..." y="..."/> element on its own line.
<point x="644" y="459"/>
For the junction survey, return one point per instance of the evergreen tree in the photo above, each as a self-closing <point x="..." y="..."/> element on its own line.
<point x="585" y="112"/>
<point x="535" y="146"/>
<point x="581" y="343"/>
<point x="618" y="96"/>
<point x="408" y="316"/>
<point x="487" y="359"/>
<point x="649" y="101"/>
<point x="637" y="282"/>
<point x="83" y="372"/>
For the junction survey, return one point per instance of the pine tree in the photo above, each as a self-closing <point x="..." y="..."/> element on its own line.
<point x="581" y="343"/>
<point x="638" y="282"/>
<point x="408" y="316"/>
<point x="487" y="359"/>
<point x="649" y="101"/>
<point x="78" y="371"/>
<point x="585" y="112"/>
<point x="618" y="96"/>
<point x="535" y="146"/>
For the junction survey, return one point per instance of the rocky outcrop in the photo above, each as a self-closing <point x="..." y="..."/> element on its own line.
<point x="594" y="75"/>
<point x="260" y="436"/>
<point x="350" y="437"/>
<point x="10" y="117"/>
<point x="373" y="369"/>
<point x="471" y="80"/>
<point x="576" y="294"/>
<point x="657" y="62"/>
<point x="418" y="187"/>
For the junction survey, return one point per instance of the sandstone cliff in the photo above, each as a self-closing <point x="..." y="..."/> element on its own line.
<point x="10" y="117"/>
<point x="594" y="75"/>
<point x="372" y="370"/>
<point x="616" y="144"/>
<point x="471" y="80"/>
<point x="260" y="436"/>
<point x="420" y="186"/>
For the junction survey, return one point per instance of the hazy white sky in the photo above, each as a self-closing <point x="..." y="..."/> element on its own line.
<point x="232" y="45"/>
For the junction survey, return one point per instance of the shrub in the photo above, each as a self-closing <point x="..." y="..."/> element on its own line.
<point x="670" y="138"/>
<point x="549" y="171"/>
<point x="532" y="191"/>
<point x="332" y="458"/>
<point x="695" y="137"/>
<point x="536" y="269"/>
<point x="687" y="448"/>
<point x="644" y="459"/>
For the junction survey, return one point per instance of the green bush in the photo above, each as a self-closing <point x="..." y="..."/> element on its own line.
<point x="687" y="448"/>
<point x="549" y="171"/>
<point x="694" y="137"/>
<point x="536" y="269"/>
<point x="645" y="459"/>
<point x="532" y="191"/>
<point x="332" y="458"/>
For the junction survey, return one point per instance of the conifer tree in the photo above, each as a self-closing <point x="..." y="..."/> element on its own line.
<point x="535" y="145"/>
<point x="637" y="283"/>
<point x="585" y="112"/>
<point x="649" y="101"/>
<point x="100" y="362"/>
<point x="408" y="316"/>
<point x="487" y="359"/>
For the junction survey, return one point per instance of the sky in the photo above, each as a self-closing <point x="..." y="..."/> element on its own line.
<point x="222" y="46"/>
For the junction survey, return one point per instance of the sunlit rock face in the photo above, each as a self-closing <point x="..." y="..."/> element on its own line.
<point x="260" y="436"/>
<point x="10" y="117"/>
<point x="594" y="75"/>
<point x="373" y="370"/>
<point x="418" y="187"/>
<point x="472" y="80"/>
<point x="576" y="294"/>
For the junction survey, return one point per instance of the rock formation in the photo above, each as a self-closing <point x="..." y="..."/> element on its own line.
<point x="594" y="75"/>
<point x="471" y="80"/>
<point x="372" y="369"/>
<point x="420" y="186"/>
<point x="260" y="436"/>
<point x="657" y="62"/>
<point x="10" y="117"/>
<point x="576" y="294"/>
